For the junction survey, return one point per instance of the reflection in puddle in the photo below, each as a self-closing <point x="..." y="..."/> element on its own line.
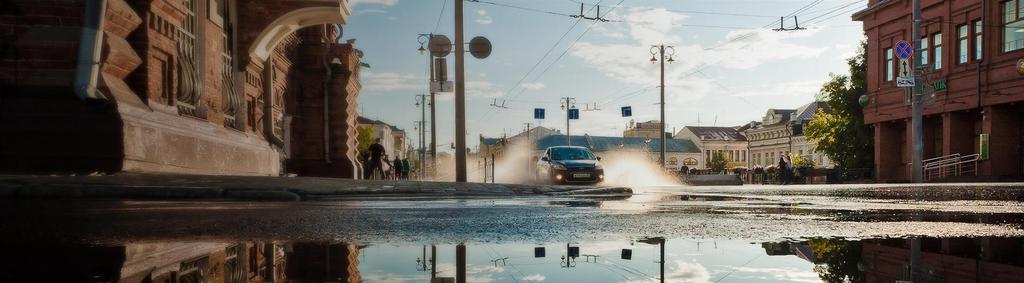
<point x="636" y="260"/>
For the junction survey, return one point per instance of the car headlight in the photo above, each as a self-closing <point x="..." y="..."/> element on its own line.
<point x="598" y="166"/>
<point x="557" y="166"/>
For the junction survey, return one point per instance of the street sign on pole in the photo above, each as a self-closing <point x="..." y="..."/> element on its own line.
<point x="904" y="78"/>
<point x="903" y="50"/>
<point x="445" y="86"/>
<point x="574" y="114"/>
<point x="627" y="111"/>
<point x="538" y="113"/>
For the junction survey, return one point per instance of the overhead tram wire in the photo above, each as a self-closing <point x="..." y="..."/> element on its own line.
<point x="571" y="45"/>
<point x="834" y="10"/>
<point x="519" y="7"/>
<point x="541" y="60"/>
<point x="440" y="15"/>
<point x="846" y="12"/>
<point x="689" y="11"/>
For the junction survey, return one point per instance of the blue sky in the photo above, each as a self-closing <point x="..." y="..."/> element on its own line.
<point x="728" y="70"/>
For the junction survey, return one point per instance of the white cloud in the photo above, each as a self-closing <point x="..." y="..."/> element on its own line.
<point x="535" y="278"/>
<point x="795" y="88"/>
<point x="533" y="86"/>
<point x="482" y="88"/>
<point x="373" y="2"/>
<point x="482" y="17"/>
<point x="391" y="81"/>
<point x="628" y="60"/>
<point x="690" y="272"/>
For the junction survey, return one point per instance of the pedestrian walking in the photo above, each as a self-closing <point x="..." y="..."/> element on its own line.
<point x="377" y="155"/>
<point x="783" y="171"/>
<point x="397" y="165"/>
<point x="406" y="168"/>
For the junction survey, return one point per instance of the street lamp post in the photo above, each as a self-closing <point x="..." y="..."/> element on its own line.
<point x="659" y="50"/>
<point x="421" y="101"/>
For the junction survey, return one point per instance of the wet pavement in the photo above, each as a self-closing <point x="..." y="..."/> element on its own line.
<point x="863" y="233"/>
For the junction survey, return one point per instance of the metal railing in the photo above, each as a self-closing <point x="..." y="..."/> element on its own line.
<point x="954" y="165"/>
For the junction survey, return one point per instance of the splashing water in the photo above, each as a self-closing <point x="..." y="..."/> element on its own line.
<point x="622" y="168"/>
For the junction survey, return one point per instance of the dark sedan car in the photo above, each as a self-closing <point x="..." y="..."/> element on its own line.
<point x="570" y="164"/>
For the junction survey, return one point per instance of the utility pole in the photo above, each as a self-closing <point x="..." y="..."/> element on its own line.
<point x="460" y="97"/>
<point x="917" y="135"/>
<point x="568" y="103"/>
<point x="916" y="107"/>
<point x="659" y="50"/>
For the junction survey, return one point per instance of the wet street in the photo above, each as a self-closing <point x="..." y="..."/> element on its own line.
<point x="864" y="233"/>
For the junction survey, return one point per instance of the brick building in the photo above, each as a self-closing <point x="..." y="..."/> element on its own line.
<point x="972" y="51"/>
<point x="242" y="87"/>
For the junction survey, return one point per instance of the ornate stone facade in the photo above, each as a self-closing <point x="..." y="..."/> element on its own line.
<point x="178" y="86"/>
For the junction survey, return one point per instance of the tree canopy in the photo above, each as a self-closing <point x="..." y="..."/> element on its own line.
<point x="841" y="133"/>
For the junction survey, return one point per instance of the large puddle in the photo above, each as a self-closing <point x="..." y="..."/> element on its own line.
<point x="739" y="235"/>
<point x="985" y="259"/>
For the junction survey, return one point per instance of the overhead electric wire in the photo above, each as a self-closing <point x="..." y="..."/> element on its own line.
<point x="686" y="11"/>
<point x="444" y="4"/>
<point x="571" y="45"/>
<point x="831" y="11"/>
<point x="519" y="7"/>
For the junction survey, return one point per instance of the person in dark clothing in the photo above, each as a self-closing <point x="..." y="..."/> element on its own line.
<point x="406" y="168"/>
<point x="397" y="166"/>
<point x="376" y="160"/>
<point x="783" y="171"/>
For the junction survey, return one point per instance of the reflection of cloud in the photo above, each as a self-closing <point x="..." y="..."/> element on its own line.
<point x="781" y="274"/>
<point x="374" y="2"/>
<point x="482" y="17"/>
<point x="390" y="278"/>
<point x="535" y="277"/>
<point x="688" y="272"/>
<point x="370" y="11"/>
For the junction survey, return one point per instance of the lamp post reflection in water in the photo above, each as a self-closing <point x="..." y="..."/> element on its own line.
<point x="660" y="241"/>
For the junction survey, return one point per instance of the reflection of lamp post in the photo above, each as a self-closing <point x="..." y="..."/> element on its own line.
<point x="660" y="241"/>
<point x="421" y="262"/>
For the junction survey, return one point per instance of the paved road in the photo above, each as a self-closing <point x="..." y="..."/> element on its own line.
<point x="738" y="213"/>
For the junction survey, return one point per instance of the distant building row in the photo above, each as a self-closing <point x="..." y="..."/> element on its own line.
<point x="754" y="144"/>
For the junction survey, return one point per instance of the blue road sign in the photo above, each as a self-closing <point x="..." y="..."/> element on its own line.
<point x="627" y="111"/>
<point x="538" y="113"/>
<point x="574" y="114"/>
<point x="904" y="50"/>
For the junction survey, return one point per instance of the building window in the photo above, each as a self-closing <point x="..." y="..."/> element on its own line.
<point x="924" y="51"/>
<point x="963" y="49"/>
<point x="231" y="96"/>
<point x="937" y="41"/>
<point x="978" y="29"/>
<point x="888" y="64"/>
<point x="189" y="85"/>
<point x="1013" y="25"/>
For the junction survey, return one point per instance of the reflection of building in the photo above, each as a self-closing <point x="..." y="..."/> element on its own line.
<point x="972" y="52"/>
<point x="780" y="133"/>
<point x="946" y="260"/>
<point x="177" y="86"/>
<point x="799" y="249"/>
<point x="237" y="262"/>
<point x="728" y="141"/>
<point x="649" y="129"/>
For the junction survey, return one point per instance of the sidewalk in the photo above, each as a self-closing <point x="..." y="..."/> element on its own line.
<point x="162" y="187"/>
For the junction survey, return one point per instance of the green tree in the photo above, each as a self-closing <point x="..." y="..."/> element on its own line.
<point x="717" y="162"/>
<point x="364" y="138"/>
<point x="839" y="260"/>
<point x="841" y="133"/>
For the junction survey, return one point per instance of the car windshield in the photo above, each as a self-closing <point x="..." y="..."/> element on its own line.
<point x="568" y="153"/>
